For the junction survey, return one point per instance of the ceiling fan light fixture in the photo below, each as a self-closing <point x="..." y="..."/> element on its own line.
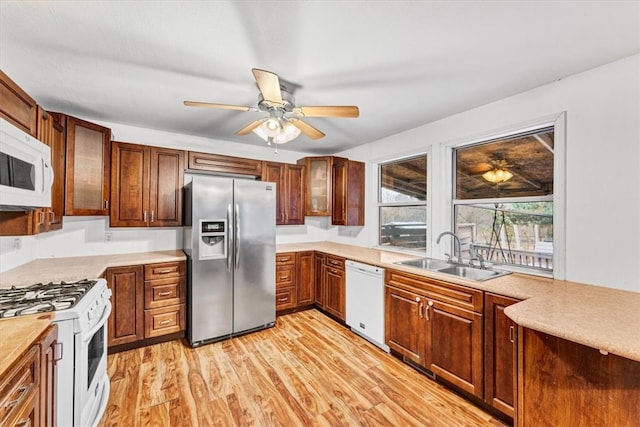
<point x="271" y="127"/>
<point x="497" y="175"/>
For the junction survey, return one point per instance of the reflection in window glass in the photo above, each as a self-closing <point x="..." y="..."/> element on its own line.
<point x="403" y="203"/>
<point x="512" y="180"/>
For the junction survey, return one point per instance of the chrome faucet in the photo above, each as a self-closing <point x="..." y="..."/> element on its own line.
<point x="456" y="244"/>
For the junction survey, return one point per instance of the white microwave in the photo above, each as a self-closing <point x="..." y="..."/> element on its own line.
<point x="25" y="170"/>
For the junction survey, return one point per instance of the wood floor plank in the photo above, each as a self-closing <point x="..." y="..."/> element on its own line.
<point x="306" y="371"/>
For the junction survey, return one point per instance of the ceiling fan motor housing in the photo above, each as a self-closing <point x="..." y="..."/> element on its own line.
<point x="288" y="102"/>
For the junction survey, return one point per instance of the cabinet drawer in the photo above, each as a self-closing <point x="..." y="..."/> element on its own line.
<point x="335" y="262"/>
<point x="163" y="321"/>
<point x="286" y="298"/>
<point x="164" y="270"/>
<point x="456" y="295"/>
<point x="164" y="292"/>
<point x="19" y="386"/>
<point x="286" y="258"/>
<point x="285" y="275"/>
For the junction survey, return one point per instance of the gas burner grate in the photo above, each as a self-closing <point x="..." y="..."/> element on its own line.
<point x="40" y="297"/>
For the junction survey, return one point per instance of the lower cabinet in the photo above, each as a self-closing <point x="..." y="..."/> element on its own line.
<point x="294" y="280"/>
<point x="333" y="276"/>
<point x="27" y="391"/>
<point x="436" y="325"/>
<point x="499" y="354"/>
<point x="148" y="301"/>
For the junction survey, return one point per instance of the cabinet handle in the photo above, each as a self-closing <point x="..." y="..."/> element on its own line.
<point x="153" y="216"/>
<point x="167" y="271"/>
<point x="284" y="259"/>
<point x="24" y="422"/>
<point x="15" y="401"/>
<point x="283" y="299"/>
<point x="429" y="304"/>
<point x="144" y="216"/>
<point x="164" y="294"/>
<point x="334" y="271"/>
<point x="52" y="216"/>
<point x="511" y="333"/>
<point x="106" y="204"/>
<point x="164" y="322"/>
<point x="284" y="277"/>
<point x="286" y="217"/>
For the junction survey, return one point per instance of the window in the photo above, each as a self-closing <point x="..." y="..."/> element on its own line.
<point x="402" y="202"/>
<point x="503" y="200"/>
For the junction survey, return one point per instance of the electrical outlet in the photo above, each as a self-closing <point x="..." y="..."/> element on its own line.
<point x="17" y="243"/>
<point x="108" y="237"/>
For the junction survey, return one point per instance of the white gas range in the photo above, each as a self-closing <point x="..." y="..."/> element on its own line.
<point x="81" y="310"/>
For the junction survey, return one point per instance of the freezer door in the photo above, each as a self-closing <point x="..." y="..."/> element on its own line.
<point x="255" y="236"/>
<point x="211" y="281"/>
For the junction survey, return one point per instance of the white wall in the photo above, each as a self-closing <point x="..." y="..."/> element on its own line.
<point x="602" y="135"/>
<point x="602" y="212"/>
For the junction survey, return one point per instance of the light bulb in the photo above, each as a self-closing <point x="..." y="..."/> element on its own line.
<point x="271" y="127"/>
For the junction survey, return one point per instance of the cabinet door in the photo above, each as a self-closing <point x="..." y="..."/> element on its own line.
<point x="294" y="194"/>
<point x="16" y="105"/>
<point x="499" y="344"/>
<point x="126" y="319"/>
<point x="224" y="164"/>
<point x="274" y="172"/>
<point x="405" y="327"/>
<point x="334" y="302"/>
<point x="129" y="184"/>
<point x="51" y="131"/>
<point x="318" y="185"/>
<point x="87" y="168"/>
<point x="339" y="185"/>
<point x="48" y="377"/>
<point x="454" y="349"/>
<point x="165" y="183"/>
<point x="305" y="278"/>
<point x="318" y="292"/>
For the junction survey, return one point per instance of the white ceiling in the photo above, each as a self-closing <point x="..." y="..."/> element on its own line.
<point x="404" y="63"/>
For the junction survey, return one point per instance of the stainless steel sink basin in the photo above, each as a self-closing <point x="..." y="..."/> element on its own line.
<point x="426" y="263"/>
<point x="464" y="271"/>
<point x="473" y="273"/>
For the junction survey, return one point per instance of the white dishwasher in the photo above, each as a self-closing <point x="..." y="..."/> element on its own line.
<point x="365" y="301"/>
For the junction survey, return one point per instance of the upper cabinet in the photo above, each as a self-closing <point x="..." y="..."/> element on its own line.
<point x="290" y="191"/>
<point x="347" y="178"/>
<point x="87" y="168"/>
<point x="16" y="106"/>
<point x="51" y="131"/>
<point x="217" y="163"/>
<point x="335" y="187"/>
<point x="146" y="186"/>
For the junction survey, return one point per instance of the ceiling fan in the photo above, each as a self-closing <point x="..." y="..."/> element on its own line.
<point x="284" y="122"/>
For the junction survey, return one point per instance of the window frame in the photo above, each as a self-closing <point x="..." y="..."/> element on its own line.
<point x="425" y="203"/>
<point x="558" y="122"/>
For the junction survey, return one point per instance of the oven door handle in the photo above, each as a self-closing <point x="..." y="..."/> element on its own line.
<point x="103" y="321"/>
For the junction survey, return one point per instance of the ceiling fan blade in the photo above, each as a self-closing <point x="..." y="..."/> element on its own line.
<point x="248" y="128"/>
<point x="328" y="111"/>
<point x="269" y="85"/>
<point x="307" y="129"/>
<point x="223" y="106"/>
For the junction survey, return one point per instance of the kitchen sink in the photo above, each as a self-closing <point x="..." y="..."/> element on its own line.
<point x="426" y="263"/>
<point x="464" y="271"/>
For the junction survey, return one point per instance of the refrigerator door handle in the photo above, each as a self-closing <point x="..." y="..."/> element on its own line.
<point x="236" y="221"/>
<point x="230" y="236"/>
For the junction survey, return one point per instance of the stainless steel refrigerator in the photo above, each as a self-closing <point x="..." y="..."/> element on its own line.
<point x="229" y="240"/>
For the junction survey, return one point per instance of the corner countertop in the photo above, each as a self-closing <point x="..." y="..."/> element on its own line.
<point x="602" y="318"/>
<point x="18" y="334"/>
<point x="45" y="270"/>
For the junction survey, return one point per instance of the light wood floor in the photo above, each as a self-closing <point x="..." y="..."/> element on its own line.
<point x="307" y="370"/>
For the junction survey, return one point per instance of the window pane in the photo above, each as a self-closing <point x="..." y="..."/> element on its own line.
<point x="518" y="166"/>
<point x="404" y="180"/>
<point x="508" y="233"/>
<point x="403" y="226"/>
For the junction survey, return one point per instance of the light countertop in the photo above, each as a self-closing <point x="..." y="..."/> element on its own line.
<point x="602" y="318"/>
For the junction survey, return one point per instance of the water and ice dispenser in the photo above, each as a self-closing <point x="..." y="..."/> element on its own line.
<point x="213" y="239"/>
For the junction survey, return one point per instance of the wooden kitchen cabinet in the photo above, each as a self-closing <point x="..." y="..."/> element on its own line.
<point x="290" y="191"/>
<point x="126" y="320"/>
<point x="318" y="183"/>
<point x="286" y="283"/>
<point x="499" y="354"/>
<point x="448" y="316"/>
<point x="88" y="160"/>
<point x="318" y="288"/>
<point x="16" y="106"/>
<point x="347" y="177"/>
<point x="217" y="163"/>
<point x="146" y="186"/>
<point x="51" y="131"/>
<point x="334" y="286"/>
<point x="305" y="276"/>
<point x="28" y="389"/>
